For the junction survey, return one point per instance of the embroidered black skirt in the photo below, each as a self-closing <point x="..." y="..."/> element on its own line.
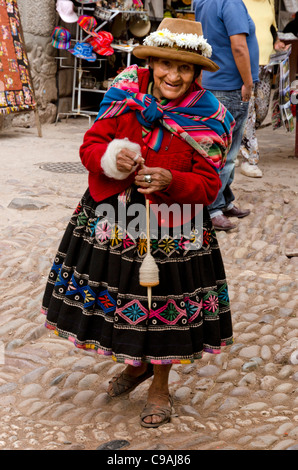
<point x="93" y="296"/>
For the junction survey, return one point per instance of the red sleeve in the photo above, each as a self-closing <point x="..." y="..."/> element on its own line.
<point x="201" y="186"/>
<point x="95" y="143"/>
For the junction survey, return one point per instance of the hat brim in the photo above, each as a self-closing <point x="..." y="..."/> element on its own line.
<point x="144" y="52"/>
<point x="103" y="50"/>
<point x="68" y="18"/>
<point x="61" y="45"/>
<point x="91" y="58"/>
<point x="90" y="32"/>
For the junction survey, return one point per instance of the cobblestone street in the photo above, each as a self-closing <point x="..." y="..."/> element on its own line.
<point x="53" y="396"/>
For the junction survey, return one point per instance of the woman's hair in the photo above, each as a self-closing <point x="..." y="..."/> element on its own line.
<point x="198" y="70"/>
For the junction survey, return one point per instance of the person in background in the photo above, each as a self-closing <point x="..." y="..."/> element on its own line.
<point x="230" y="31"/>
<point x="292" y="26"/>
<point x="263" y="15"/>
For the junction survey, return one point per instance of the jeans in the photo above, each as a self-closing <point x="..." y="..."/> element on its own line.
<point x="239" y="110"/>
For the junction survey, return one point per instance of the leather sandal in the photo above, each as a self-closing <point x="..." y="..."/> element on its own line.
<point x="164" y="411"/>
<point x="123" y="384"/>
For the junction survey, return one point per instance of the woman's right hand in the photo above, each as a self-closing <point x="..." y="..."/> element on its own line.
<point x="127" y="161"/>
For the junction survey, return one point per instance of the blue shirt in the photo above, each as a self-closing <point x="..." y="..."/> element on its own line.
<point x="221" y="19"/>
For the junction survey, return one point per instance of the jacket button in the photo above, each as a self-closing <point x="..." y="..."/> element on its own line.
<point x="144" y="148"/>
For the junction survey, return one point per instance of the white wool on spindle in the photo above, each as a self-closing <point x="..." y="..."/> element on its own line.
<point x="149" y="272"/>
<point x="109" y="159"/>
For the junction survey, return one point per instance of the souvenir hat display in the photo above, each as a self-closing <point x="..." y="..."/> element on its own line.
<point x="65" y="8"/>
<point x="139" y="26"/>
<point x="83" y="50"/>
<point x="102" y="43"/>
<point x="87" y="23"/>
<point x="61" y="38"/>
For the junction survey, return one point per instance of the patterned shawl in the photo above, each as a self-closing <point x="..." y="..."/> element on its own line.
<point x="198" y="118"/>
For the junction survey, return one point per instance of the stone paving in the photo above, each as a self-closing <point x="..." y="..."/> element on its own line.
<point x="53" y="396"/>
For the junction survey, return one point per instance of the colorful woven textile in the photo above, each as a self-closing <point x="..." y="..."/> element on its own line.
<point x="199" y="118"/>
<point x="94" y="299"/>
<point x="16" y="87"/>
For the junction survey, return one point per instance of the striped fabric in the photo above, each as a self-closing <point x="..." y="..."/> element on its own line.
<point x="199" y="118"/>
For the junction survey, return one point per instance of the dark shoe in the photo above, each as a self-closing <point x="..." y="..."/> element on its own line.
<point x="235" y="212"/>
<point x="221" y="222"/>
<point x="123" y="384"/>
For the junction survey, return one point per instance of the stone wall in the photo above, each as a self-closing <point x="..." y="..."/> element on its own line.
<point x="38" y="19"/>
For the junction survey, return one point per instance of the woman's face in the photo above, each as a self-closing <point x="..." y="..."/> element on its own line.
<point x="172" y="78"/>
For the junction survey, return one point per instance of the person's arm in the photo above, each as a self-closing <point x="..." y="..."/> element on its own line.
<point x="102" y="152"/>
<point x="278" y="45"/>
<point x="242" y="59"/>
<point x="200" y="186"/>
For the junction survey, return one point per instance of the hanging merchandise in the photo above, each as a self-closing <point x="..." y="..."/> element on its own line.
<point x="61" y="38"/>
<point x="109" y="4"/>
<point x="84" y="51"/>
<point x="102" y="43"/>
<point x="155" y="9"/>
<point x="86" y="1"/>
<point x="138" y="3"/>
<point x="65" y="8"/>
<point x="127" y="5"/>
<point x="16" y="86"/>
<point x="102" y="13"/>
<point x="119" y="26"/>
<point x="88" y="24"/>
<point x="281" y="98"/>
<point x="104" y="8"/>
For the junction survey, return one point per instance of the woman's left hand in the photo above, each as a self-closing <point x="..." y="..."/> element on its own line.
<point x="160" y="179"/>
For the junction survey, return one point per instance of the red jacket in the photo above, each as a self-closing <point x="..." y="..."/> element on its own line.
<point x="194" y="180"/>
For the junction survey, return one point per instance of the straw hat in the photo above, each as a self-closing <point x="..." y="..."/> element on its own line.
<point x="178" y="39"/>
<point x="139" y="27"/>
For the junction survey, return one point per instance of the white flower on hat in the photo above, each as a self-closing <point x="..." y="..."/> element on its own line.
<point x="164" y="37"/>
<point x="205" y="47"/>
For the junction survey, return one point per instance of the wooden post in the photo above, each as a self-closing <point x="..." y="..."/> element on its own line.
<point x="37" y="120"/>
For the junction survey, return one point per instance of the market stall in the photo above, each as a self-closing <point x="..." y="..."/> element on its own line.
<point x="100" y="37"/>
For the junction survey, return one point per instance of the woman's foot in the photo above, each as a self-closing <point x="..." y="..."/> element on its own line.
<point x="159" y="403"/>
<point x="129" y="379"/>
<point x="157" y="411"/>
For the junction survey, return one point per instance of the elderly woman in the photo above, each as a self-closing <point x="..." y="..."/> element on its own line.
<point x="158" y="136"/>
